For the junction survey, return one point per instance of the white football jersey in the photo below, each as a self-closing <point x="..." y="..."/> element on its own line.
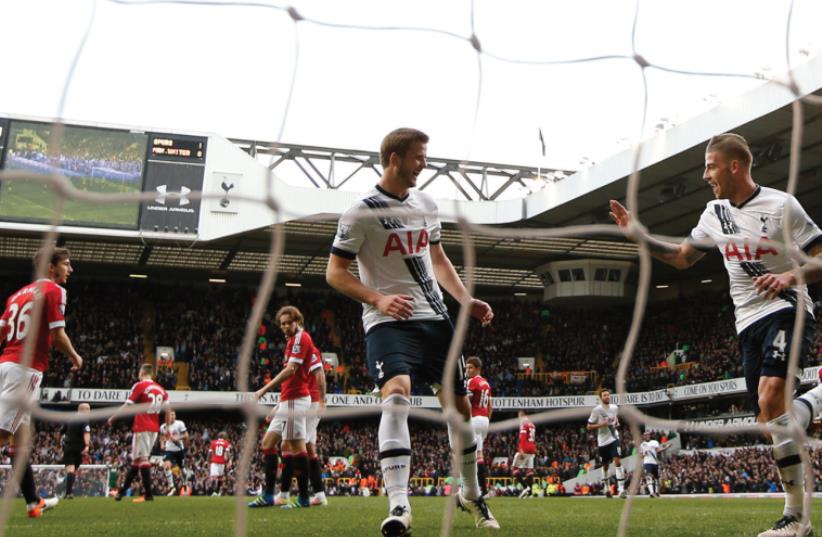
<point x="649" y="451"/>
<point x="177" y="429"/>
<point x="746" y="235"/>
<point x="605" y="435"/>
<point x="392" y="253"/>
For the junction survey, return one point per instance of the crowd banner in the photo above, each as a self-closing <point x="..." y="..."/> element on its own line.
<point x="673" y="394"/>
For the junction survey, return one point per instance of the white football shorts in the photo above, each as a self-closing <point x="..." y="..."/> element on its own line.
<point x="289" y="419"/>
<point x="480" y="424"/>
<point x="17" y="383"/>
<point x="523" y="460"/>
<point x="216" y="470"/>
<point x="311" y="423"/>
<point x="141" y="445"/>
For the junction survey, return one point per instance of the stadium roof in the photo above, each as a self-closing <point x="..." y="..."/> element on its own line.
<point x="671" y="196"/>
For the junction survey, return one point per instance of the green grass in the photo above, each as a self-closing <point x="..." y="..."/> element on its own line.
<point x="26" y="200"/>
<point x="572" y="517"/>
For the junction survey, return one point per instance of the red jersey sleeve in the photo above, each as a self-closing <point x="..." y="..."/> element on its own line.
<point x="316" y="359"/>
<point x="472" y="385"/>
<point x="136" y="392"/>
<point x="300" y="351"/>
<point x="55" y="307"/>
<point x="4" y="322"/>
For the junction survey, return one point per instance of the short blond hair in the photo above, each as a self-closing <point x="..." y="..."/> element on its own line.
<point x="732" y="146"/>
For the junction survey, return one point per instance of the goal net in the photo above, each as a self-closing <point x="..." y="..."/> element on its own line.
<point x="92" y="479"/>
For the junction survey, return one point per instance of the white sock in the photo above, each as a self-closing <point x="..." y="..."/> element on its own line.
<point x="807" y="406"/>
<point x="170" y="479"/>
<point x="620" y="476"/>
<point x="468" y="470"/>
<point x="789" y="464"/>
<point x="649" y="480"/>
<point x="395" y="450"/>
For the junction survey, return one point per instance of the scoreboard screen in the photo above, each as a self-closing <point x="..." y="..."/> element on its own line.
<point x="93" y="159"/>
<point x="105" y="161"/>
<point x="175" y="147"/>
<point x="175" y="168"/>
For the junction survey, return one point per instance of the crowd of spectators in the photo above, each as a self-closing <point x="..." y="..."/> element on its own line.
<point x="351" y="466"/>
<point x="688" y="341"/>
<point x="348" y="448"/>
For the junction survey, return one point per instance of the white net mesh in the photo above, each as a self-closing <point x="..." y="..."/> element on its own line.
<point x="637" y="64"/>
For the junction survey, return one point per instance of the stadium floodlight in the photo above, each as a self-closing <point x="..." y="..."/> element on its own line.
<point x="216" y="280"/>
<point x="705" y="281"/>
<point x="662" y="286"/>
<point x="138" y="276"/>
<point x="293" y="284"/>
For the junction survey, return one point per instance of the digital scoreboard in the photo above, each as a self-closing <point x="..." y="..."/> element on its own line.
<point x="175" y="168"/>
<point x="103" y="160"/>
<point x="177" y="148"/>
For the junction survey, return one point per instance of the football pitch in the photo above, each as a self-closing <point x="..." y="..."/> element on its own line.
<point x="572" y="517"/>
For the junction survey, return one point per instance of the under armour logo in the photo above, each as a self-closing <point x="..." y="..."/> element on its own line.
<point x="162" y="190"/>
<point x="226" y="185"/>
<point x="380" y="373"/>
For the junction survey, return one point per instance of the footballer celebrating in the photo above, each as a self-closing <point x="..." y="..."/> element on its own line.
<point x="744" y="223"/>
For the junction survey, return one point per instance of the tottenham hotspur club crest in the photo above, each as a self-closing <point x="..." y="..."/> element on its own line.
<point x="764" y="220"/>
<point x="380" y="373"/>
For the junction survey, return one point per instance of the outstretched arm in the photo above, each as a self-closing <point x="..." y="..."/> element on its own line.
<point x="681" y="256"/>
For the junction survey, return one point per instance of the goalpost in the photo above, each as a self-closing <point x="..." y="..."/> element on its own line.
<point x="50" y="479"/>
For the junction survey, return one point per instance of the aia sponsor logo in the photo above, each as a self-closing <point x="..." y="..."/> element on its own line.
<point x="406" y="242"/>
<point x="748" y="252"/>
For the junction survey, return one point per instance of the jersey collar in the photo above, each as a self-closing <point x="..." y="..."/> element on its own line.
<point x="390" y="195"/>
<point x="748" y="199"/>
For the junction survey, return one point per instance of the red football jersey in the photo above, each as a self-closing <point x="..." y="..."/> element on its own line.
<point x="316" y="361"/>
<point x="297" y="351"/>
<point x="527" y="438"/>
<point x="219" y="451"/>
<point x="148" y="391"/>
<point x="15" y="324"/>
<point x="479" y="393"/>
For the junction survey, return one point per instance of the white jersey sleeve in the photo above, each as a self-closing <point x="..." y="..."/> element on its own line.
<point x="803" y="230"/>
<point x="700" y="237"/>
<point x="350" y="232"/>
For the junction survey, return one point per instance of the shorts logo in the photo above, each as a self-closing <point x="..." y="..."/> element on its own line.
<point x="380" y="373"/>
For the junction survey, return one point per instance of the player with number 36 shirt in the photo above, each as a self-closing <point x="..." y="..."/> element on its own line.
<point x="20" y="375"/>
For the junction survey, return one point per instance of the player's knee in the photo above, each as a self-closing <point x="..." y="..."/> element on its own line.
<point x="396" y="388"/>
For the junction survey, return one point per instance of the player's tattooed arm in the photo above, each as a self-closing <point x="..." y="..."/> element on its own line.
<point x="772" y="285"/>
<point x="680" y="256"/>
